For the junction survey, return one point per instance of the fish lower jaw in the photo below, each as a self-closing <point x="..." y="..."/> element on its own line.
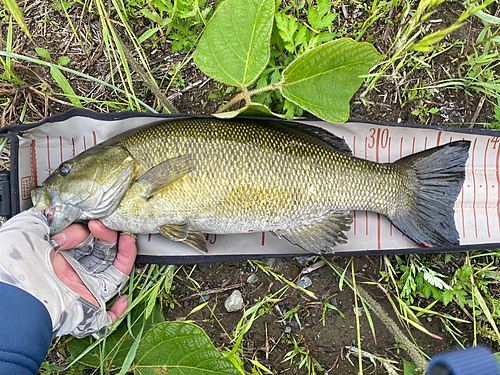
<point x="50" y="214"/>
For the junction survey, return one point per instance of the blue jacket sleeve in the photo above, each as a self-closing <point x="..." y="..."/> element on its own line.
<point x="25" y="331"/>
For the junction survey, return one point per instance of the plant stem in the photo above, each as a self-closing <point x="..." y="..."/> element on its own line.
<point x="150" y="83"/>
<point x="246" y="95"/>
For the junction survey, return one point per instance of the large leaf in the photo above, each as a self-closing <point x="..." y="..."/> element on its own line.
<point x="234" y="48"/>
<point x="180" y="348"/>
<point x="324" y="79"/>
<point x="118" y="344"/>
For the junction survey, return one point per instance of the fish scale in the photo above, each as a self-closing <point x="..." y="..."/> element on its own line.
<point x="193" y="176"/>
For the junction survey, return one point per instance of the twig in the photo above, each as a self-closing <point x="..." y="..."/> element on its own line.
<point x="478" y="110"/>
<point x="212" y="291"/>
<point x="150" y="83"/>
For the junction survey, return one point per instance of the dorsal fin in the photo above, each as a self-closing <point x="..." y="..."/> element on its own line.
<point x="337" y="143"/>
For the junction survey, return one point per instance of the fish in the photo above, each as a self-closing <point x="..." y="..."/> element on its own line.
<point x="186" y="177"/>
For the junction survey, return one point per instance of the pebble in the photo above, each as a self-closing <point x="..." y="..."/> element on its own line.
<point x="304" y="282"/>
<point x="288" y="329"/>
<point x="234" y="302"/>
<point x="358" y="111"/>
<point x="294" y="324"/>
<point x="204" y="298"/>
<point x="304" y="259"/>
<point x="203" y="267"/>
<point x="329" y="349"/>
<point x="252" y="279"/>
<point x="360" y="310"/>
<point x="186" y="304"/>
<point x="270" y="262"/>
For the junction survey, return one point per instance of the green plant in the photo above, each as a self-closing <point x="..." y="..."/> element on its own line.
<point x="238" y="52"/>
<point x="303" y="355"/>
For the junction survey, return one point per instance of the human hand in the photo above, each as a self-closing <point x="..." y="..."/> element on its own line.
<point x="76" y="234"/>
<point x="73" y="284"/>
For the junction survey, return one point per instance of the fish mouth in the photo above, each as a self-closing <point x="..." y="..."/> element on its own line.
<point x="58" y="214"/>
<point x="43" y="202"/>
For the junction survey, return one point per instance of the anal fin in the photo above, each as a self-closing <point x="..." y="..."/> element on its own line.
<point x="322" y="235"/>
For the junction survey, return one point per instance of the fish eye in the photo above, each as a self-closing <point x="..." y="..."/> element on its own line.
<point x="64" y="169"/>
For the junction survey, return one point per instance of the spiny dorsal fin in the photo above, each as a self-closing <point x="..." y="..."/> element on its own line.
<point x="337" y="143"/>
<point x="320" y="236"/>
<point x="165" y="173"/>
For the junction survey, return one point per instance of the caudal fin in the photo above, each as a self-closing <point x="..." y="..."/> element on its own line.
<point x="435" y="179"/>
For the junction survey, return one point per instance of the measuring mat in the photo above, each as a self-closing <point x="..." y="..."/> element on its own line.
<point x="38" y="149"/>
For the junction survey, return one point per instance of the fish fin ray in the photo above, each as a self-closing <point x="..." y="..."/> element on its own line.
<point x="438" y="175"/>
<point x="322" y="235"/>
<point x="196" y="240"/>
<point x="164" y="174"/>
<point x="337" y="143"/>
<point x="175" y="232"/>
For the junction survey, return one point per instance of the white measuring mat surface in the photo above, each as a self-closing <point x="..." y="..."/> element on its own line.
<point x="477" y="209"/>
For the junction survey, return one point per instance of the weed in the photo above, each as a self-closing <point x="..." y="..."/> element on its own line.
<point x="302" y="354"/>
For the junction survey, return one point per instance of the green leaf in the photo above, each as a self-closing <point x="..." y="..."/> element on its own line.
<point x="180" y="348"/>
<point x="64" y="60"/>
<point x="42" y="52"/>
<point x="320" y="18"/>
<point x="119" y="343"/>
<point x="324" y="79"/>
<point x="147" y="35"/>
<point x="410" y="368"/>
<point x="17" y="13"/>
<point x="447" y="297"/>
<point x="65" y="86"/>
<point x="234" y="48"/>
<point x="287" y="27"/>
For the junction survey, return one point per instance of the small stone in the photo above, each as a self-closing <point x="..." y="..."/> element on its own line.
<point x="234" y="302"/>
<point x="360" y="311"/>
<point x="204" y="298"/>
<point x="203" y="267"/>
<point x="304" y="282"/>
<point x="294" y="324"/>
<point x="252" y="279"/>
<point x="186" y="304"/>
<point x="358" y="111"/>
<point x="329" y="349"/>
<point x="429" y="319"/>
<point x="288" y="329"/>
<point x="304" y="259"/>
<point x="270" y="262"/>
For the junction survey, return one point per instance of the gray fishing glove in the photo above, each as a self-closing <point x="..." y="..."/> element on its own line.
<point x="25" y="262"/>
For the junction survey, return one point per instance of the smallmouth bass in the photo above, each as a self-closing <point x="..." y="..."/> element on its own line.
<point x="185" y="177"/>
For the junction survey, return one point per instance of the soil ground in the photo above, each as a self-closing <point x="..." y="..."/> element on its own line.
<point x="269" y="339"/>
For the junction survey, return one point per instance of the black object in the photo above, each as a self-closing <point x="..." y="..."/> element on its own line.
<point x="5" y="209"/>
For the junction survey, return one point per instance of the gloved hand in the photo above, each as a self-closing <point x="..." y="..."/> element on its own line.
<point x="73" y="274"/>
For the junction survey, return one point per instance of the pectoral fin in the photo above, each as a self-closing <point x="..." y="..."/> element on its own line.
<point x="320" y="236"/>
<point x="164" y="174"/>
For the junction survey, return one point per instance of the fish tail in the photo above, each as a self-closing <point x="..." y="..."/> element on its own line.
<point x="434" y="178"/>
